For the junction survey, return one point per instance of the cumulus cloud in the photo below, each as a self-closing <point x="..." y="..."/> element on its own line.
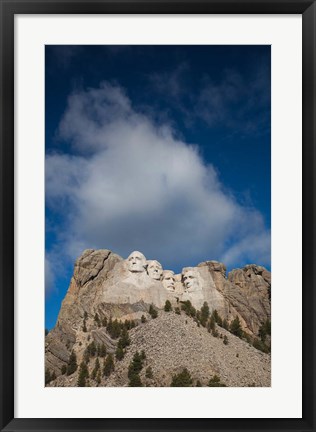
<point x="131" y="184"/>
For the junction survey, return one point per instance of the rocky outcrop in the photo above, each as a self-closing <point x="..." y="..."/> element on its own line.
<point x="172" y="342"/>
<point x="246" y="292"/>
<point x="58" y="346"/>
<point x="84" y="293"/>
<point x="105" y="284"/>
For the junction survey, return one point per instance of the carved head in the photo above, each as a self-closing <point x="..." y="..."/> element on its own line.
<point x="136" y="262"/>
<point x="168" y="280"/>
<point x="154" y="269"/>
<point x="190" y="279"/>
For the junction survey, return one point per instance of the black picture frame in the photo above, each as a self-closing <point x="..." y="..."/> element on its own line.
<point x="8" y="9"/>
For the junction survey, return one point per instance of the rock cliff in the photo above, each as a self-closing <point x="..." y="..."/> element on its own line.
<point x="104" y="287"/>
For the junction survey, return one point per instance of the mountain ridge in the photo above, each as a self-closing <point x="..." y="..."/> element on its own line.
<point x="106" y="287"/>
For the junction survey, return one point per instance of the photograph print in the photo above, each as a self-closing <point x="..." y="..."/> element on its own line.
<point x="157" y="216"/>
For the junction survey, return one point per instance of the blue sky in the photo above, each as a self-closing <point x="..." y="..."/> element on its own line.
<point x="162" y="149"/>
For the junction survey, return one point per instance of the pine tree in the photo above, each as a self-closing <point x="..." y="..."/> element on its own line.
<point x="235" y="327"/>
<point x="96" y="369"/>
<point x="205" y="313"/>
<point x="114" y="329"/>
<point x="86" y="355"/>
<point x="92" y="349"/>
<point x="124" y="340"/>
<point x="215" y="382"/>
<point x="215" y="333"/>
<point x="248" y="338"/>
<point x="149" y="373"/>
<point x="215" y="315"/>
<point x="211" y="324"/>
<point x="261" y="346"/>
<point x="177" y="311"/>
<point x="143" y="319"/>
<point x="108" y="366"/>
<point x="183" y="379"/>
<point x="104" y="322"/>
<point x="136" y="365"/>
<point x="225" y="340"/>
<point x="127" y="324"/>
<point x="72" y="363"/>
<point x="83" y="375"/>
<point x="168" y="307"/>
<point x="265" y="329"/>
<point x="153" y="312"/>
<point x="217" y="318"/>
<point x="135" y="381"/>
<point x="85" y="315"/>
<point x="119" y="353"/>
<point x="187" y="307"/>
<point x="102" y="350"/>
<point x="109" y="325"/>
<point x="225" y="324"/>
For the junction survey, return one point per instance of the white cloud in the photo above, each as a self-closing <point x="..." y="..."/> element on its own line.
<point x="254" y="248"/>
<point x="49" y="277"/>
<point x="134" y="186"/>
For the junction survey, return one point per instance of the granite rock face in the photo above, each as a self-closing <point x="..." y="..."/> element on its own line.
<point x="84" y="294"/>
<point x="123" y="286"/>
<point x="105" y="284"/>
<point x="251" y="298"/>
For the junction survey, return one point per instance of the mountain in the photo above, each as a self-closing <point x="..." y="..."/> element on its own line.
<point x="208" y="324"/>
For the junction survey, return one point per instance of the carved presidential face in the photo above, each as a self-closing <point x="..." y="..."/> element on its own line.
<point x="136" y="262"/>
<point x="168" y="280"/>
<point x="190" y="279"/>
<point x="154" y="269"/>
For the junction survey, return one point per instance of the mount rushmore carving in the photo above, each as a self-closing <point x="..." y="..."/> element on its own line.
<point x="138" y="279"/>
<point x="103" y="281"/>
<point x="189" y="281"/>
